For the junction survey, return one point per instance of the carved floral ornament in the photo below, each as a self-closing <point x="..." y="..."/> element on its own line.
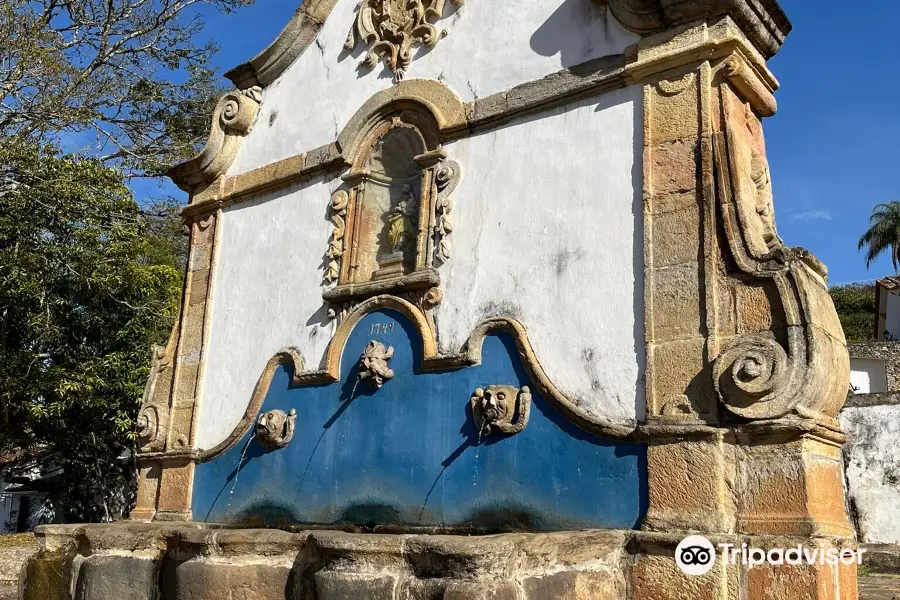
<point x="391" y="29"/>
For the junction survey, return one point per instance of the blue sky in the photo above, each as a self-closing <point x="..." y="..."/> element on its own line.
<point x="832" y="146"/>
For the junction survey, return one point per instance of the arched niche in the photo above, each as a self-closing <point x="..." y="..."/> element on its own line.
<point x="392" y="216"/>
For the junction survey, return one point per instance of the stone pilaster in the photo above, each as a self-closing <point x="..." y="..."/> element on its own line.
<point x="167" y="423"/>
<point x="746" y="366"/>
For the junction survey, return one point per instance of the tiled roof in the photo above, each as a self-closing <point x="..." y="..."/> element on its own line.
<point x="889" y="283"/>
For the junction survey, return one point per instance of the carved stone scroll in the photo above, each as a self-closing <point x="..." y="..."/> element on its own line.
<point x="232" y="120"/>
<point x="153" y="419"/>
<point x="446" y="178"/>
<point x="799" y="362"/>
<point x="762" y="21"/>
<point x="393" y="28"/>
<point x="336" y="247"/>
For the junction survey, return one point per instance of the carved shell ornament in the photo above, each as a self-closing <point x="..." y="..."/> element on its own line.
<point x="393" y="28"/>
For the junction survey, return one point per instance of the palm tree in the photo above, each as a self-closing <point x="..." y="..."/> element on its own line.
<point x="883" y="233"/>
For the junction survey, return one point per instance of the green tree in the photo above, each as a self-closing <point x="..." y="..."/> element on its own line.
<point x="92" y="93"/>
<point x="120" y="80"/>
<point x="855" y="304"/>
<point x="883" y="234"/>
<point x="88" y="282"/>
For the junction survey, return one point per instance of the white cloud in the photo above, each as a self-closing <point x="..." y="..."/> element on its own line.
<point x="812" y="215"/>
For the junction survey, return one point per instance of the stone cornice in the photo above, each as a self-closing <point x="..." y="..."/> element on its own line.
<point x="568" y="85"/>
<point x="294" y="39"/>
<point x="762" y="21"/>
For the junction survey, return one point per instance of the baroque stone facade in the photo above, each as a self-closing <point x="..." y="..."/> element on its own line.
<point x="687" y="374"/>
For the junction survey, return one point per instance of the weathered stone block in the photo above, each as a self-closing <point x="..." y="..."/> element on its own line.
<point x="573" y="585"/>
<point x="117" y="578"/>
<point x="194" y="580"/>
<point x="657" y="577"/>
<point x="491" y="107"/>
<point x="677" y="382"/>
<point x="482" y="590"/>
<point x="676" y="238"/>
<point x="175" y="487"/>
<point x="791" y="582"/>
<point x="449" y="556"/>
<point x="675" y="108"/>
<point x="673" y="167"/>
<point x="677" y="312"/>
<point x="687" y="485"/>
<point x="793" y="488"/>
<point x="569" y="549"/>
<point x="355" y="586"/>
<point x="199" y="287"/>
<point x="422" y="589"/>
<point x="46" y="576"/>
<point x="666" y="203"/>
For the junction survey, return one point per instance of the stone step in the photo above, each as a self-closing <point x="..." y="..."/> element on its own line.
<point x="9" y="592"/>
<point x="11" y="561"/>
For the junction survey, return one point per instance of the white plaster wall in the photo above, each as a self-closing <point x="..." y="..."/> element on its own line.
<point x="492" y="46"/>
<point x="867" y="375"/>
<point x="892" y="318"/>
<point x="873" y="470"/>
<point x="8" y="506"/>
<point x="547" y="229"/>
<point x="267" y="296"/>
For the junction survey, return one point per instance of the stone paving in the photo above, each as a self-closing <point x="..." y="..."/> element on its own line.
<point x="879" y="587"/>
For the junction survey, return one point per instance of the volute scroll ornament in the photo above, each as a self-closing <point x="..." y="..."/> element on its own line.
<point x="799" y="365"/>
<point x="233" y="119"/>
<point x="495" y="408"/>
<point x="275" y="429"/>
<point x="754" y="376"/>
<point x="152" y="428"/>
<point x="338" y="208"/>
<point x="393" y="28"/>
<point x="153" y="418"/>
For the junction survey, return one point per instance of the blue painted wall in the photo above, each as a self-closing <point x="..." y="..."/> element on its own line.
<point x="408" y="454"/>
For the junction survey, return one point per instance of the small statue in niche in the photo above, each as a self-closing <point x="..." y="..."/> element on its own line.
<point x="400" y="226"/>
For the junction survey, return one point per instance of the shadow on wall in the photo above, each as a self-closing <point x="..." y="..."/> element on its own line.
<point x="555" y="35"/>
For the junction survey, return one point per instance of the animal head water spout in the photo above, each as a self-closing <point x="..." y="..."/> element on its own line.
<point x="373" y="365"/>
<point x="495" y="408"/>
